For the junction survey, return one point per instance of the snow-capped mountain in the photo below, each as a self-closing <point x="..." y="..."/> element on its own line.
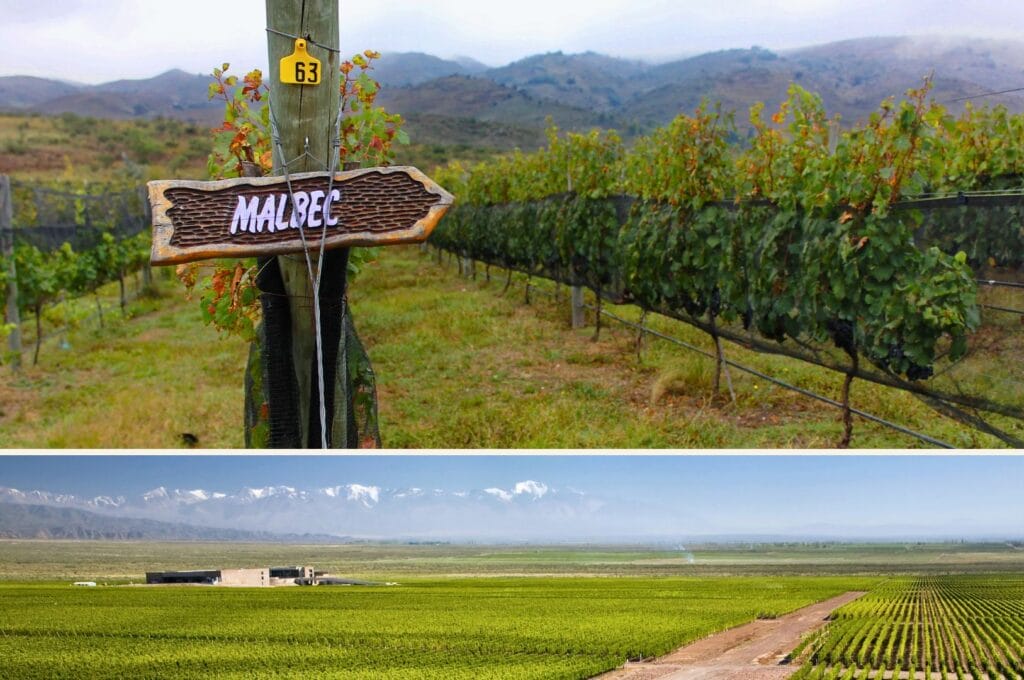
<point x="9" y="495"/>
<point x="526" y="509"/>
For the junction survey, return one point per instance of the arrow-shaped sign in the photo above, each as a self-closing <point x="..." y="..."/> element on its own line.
<point x="259" y="216"/>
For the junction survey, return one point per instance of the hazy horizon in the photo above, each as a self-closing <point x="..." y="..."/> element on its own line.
<point x="94" y="42"/>
<point x="543" y="498"/>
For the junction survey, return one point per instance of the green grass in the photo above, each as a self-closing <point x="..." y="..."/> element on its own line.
<point x="455" y="628"/>
<point x="140" y="381"/>
<point x="459" y="365"/>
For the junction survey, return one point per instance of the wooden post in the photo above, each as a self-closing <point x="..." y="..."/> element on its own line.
<point x="147" y="269"/>
<point x="7" y="243"/>
<point x="305" y="115"/>
<point x="255" y="216"/>
<point x="579" y="316"/>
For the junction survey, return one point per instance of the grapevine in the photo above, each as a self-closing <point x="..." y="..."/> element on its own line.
<point x="794" y="234"/>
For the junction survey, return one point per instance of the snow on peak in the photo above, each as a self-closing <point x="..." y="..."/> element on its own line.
<point x="526" y="488"/>
<point x="531" y="488"/>
<point x="32" y="496"/>
<point x="255" y="494"/>
<point x="155" y="494"/>
<point x="501" y="494"/>
<point x="367" y="495"/>
<point x="250" y="493"/>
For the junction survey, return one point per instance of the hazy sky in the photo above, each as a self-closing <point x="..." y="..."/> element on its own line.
<point x="961" y="494"/>
<point x="100" y="40"/>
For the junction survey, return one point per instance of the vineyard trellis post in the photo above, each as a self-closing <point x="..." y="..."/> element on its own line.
<point x="304" y="117"/>
<point x="147" y="269"/>
<point x="7" y="243"/>
<point x="579" y="313"/>
<point x="307" y="373"/>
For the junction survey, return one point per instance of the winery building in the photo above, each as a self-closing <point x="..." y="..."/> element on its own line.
<point x="252" y="578"/>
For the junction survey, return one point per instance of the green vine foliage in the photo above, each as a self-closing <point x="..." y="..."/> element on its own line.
<point x="983" y="150"/>
<point x="44" y="275"/>
<point x="797" y="234"/>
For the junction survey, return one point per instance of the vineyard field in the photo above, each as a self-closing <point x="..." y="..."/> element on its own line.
<point x="453" y="628"/>
<point x="943" y="626"/>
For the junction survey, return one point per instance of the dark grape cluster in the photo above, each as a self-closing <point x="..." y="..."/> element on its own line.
<point x="842" y="332"/>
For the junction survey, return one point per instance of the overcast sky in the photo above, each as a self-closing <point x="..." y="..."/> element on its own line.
<point x="961" y="495"/>
<point x="96" y="41"/>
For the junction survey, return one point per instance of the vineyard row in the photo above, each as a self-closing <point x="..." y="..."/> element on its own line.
<point x="954" y="626"/>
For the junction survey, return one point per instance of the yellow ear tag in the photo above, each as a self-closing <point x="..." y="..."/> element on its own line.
<point x="298" y="68"/>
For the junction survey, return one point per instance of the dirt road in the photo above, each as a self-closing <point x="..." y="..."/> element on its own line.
<point x="750" y="652"/>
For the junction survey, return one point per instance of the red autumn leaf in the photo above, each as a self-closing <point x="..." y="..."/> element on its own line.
<point x="235" y="280"/>
<point x="218" y="282"/>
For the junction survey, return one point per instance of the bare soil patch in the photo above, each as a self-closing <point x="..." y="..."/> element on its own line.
<point x="754" y="651"/>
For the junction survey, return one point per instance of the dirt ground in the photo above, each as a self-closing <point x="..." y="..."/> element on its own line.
<point x="754" y="651"/>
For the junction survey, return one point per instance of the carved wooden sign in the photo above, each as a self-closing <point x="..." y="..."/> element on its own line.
<point x="259" y="216"/>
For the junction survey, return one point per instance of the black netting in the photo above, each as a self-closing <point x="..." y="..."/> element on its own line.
<point x="47" y="217"/>
<point x="272" y="414"/>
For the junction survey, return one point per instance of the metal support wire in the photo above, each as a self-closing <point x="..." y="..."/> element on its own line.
<point x="1008" y="310"/>
<point x="313" y="278"/>
<point x="779" y="350"/>
<point x="300" y="37"/>
<point x="983" y="94"/>
<point x="781" y="383"/>
<point x="1004" y="284"/>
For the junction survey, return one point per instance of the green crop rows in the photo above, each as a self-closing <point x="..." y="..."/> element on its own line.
<point x="472" y="628"/>
<point x="959" y="627"/>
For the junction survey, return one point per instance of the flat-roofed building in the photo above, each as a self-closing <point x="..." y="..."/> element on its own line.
<point x="253" y="578"/>
<point x="291" y="572"/>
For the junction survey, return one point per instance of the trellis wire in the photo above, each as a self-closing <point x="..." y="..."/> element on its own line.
<point x="120" y="209"/>
<point x="753" y="371"/>
<point x="682" y="343"/>
<point x="1008" y="310"/>
<point x="1004" y="284"/>
<point x="781" y="383"/>
<point x="306" y="38"/>
<point x="314" y="278"/>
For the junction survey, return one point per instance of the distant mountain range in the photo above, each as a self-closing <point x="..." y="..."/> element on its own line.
<point x="527" y="509"/>
<point x="461" y="101"/>
<point x="20" y="520"/>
